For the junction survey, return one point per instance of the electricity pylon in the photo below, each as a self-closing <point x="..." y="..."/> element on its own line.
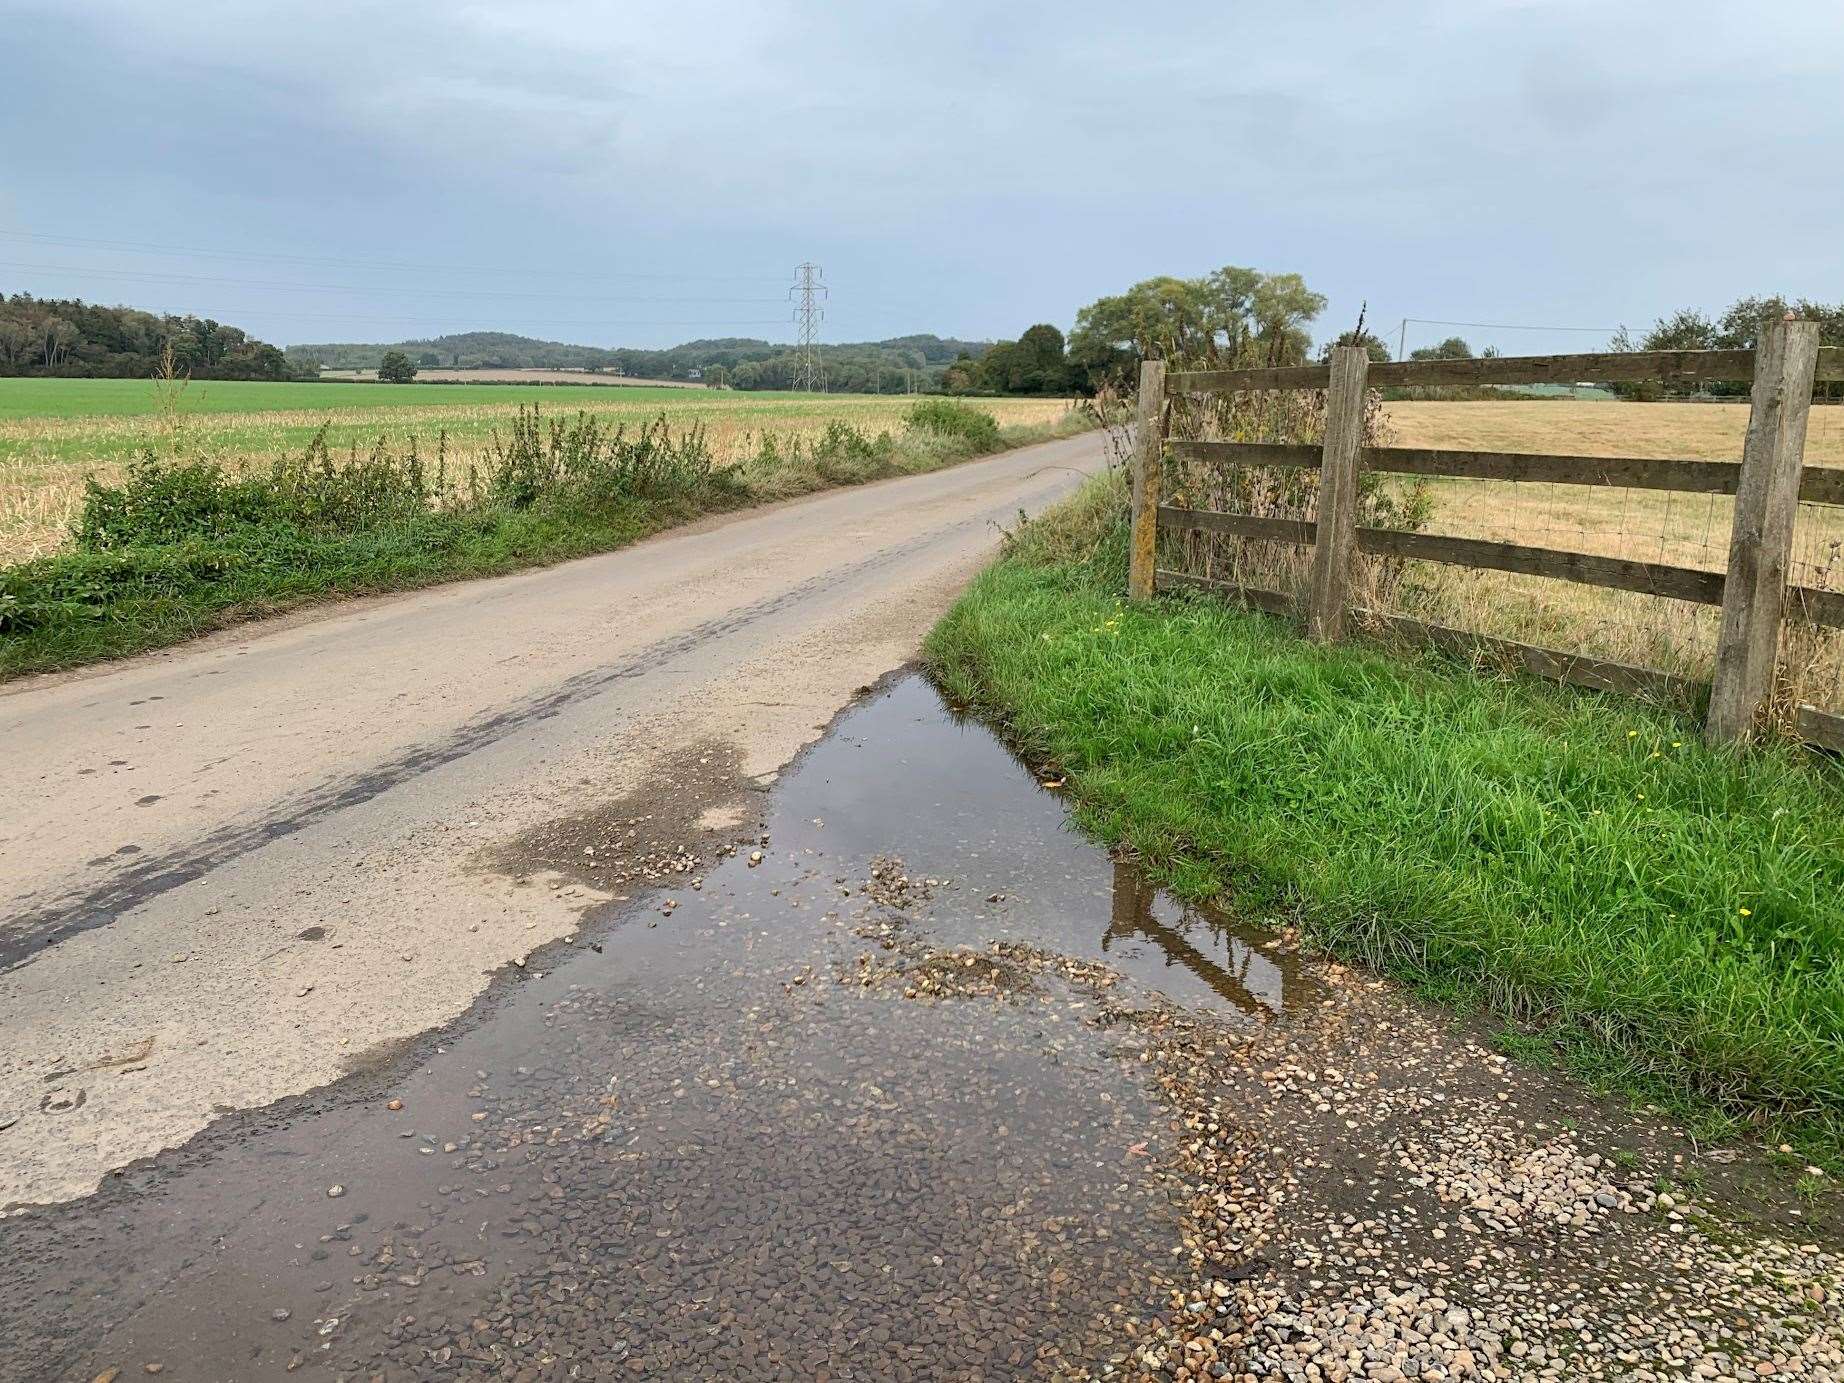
<point x="808" y="292"/>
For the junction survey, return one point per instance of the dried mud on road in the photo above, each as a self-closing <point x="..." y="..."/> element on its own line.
<point x="885" y="1072"/>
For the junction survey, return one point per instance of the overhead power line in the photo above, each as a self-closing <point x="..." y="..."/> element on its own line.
<point x="1503" y="326"/>
<point x="1402" y="335"/>
<point x="390" y="266"/>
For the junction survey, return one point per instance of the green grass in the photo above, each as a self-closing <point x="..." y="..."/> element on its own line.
<point x="134" y="398"/>
<point x="1663" y="916"/>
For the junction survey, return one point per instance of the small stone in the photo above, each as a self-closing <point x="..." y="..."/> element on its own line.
<point x="281" y="1313"/>
<point x="335" y="1191"/>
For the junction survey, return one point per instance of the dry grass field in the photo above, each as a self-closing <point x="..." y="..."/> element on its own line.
<point x="1645" y="525"/>
<point x="1709" y="430"/>
<point x="45" y="454"/>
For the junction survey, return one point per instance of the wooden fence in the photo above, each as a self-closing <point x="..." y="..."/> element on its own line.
<point x="1768" y="484"/>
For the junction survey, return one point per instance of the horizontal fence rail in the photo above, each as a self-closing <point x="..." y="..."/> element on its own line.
<point x="1767" y="484"/>
<point x="1614" y="573"/>
<point x="1614" y="367"/>
<point x="1554" y="664"/>
<point x="1820" y="727"/>
<point x="1695" y="584"/>
<point x="1817" y="484"/>
<point x="1271" y="601"/>
<point x="1238" y="525"/>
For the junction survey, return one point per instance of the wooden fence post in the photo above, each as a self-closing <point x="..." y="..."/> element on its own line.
<point x="1335" y="544"/>
<point x="1148" y="457"/>
<point x="1761" y="540"/>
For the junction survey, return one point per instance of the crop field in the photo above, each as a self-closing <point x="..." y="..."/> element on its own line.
<point x="54" y="433"/>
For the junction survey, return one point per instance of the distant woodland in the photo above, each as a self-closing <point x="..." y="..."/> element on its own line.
<point x="1230" y="316"/>
<point x="79" y="340"/>
<point x="870" y="367"/>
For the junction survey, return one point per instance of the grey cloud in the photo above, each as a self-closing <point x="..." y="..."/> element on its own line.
<point x="966" y="169"/>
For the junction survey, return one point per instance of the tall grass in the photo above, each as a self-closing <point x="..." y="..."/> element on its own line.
<point x="1287" y="417"/>
<point x="48" y="448"/>
<point x="1578" y="862"/>
<point x="178" y="545"/>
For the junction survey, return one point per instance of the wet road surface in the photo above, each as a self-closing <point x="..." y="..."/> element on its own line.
<point x="709" y="1146"/>
<point x="891" y="1074"/>
<point x="233" y="871"/>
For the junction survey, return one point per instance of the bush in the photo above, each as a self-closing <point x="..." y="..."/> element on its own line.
<point x="950" y="418"/>
<point x="163" y="502"/>
<point x="585" y="461"/>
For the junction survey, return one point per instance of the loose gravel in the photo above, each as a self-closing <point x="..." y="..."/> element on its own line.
<point x="912" y="1083"/>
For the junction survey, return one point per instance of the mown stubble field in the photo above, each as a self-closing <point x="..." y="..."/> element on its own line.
<point x="55" y="433"/>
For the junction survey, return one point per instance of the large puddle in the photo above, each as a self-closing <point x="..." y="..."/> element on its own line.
<point x="807" y="1124"/>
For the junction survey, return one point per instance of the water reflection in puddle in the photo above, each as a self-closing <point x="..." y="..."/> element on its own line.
<point x="696" y="1153"/>
<point x="1153" y="937"/>
<point x="903" y="774"/>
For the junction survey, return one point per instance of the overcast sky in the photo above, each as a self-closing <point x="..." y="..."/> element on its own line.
<point x="651" y="171"/>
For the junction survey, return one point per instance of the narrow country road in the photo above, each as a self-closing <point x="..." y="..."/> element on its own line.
<point x="245" y="868"/>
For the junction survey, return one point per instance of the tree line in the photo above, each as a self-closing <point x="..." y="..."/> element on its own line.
<point x="1230" y="317"/>
<point x="1738" y="328"/>
<point x="67" y="337"/>
<point x="894" y="366"/>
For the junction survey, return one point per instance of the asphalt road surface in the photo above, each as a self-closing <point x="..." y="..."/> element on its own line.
<point x="242" y="869"/>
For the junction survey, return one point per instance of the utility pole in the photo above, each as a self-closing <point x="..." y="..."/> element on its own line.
<point x="808" y="293"/>
<point x="1402" y="339"/>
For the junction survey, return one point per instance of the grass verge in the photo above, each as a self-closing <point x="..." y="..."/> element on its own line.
<point x="1653" y="914"/>
<point x="180" y="546"/>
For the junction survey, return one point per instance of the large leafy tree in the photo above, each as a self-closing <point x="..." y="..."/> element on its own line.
<point x="396" y="368"/>
<point x="1033" y="364"/>
<point x="1737" y="329"/>
<point x="1684" y="330"/>
<point x="1234" y="315"/>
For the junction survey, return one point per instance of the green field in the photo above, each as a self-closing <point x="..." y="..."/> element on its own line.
<point x="133" y="398"/>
